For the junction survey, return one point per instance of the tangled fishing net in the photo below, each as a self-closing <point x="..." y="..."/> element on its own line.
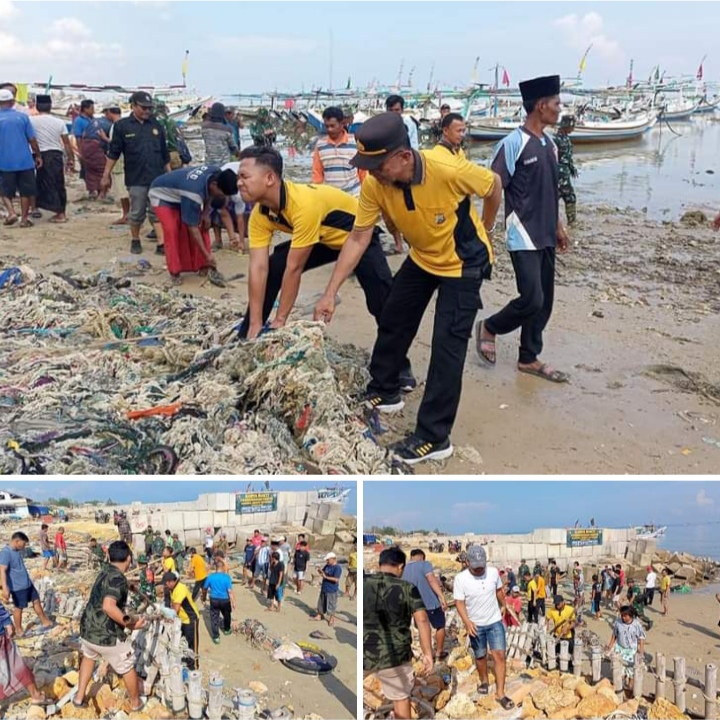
<point x="102" y="375"/>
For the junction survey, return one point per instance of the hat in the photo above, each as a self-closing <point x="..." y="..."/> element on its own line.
<point x="113" y="109"/>
<point x="43" y="99"/>
<point x="157" y="532"/>
<point x="515" y="588"/>
<point x="6" y="95"/>
<point x="330" y="556"/>
<point x="141" y="98"/>
<point x="169" y="577"/>
<point x="217" y="111"/>
<point x="142" y="559"/>
<point x="377" y="138"/>
<point x="477" y="557"/>
<point x="567" y="121"/>
<point x="540" y="87"/>
<point x="558" y="600"/>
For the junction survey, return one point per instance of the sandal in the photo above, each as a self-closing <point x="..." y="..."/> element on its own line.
<point x="142" y="707"/>
<point x="485" y="346"/>
<point x="57" y="221"/>
<point x="36" y="214"/>
<point x="483" y="688"/>
<point x="441" y="656"/>
<point x="546" y="373"/>
<point x="10" y="221"/>
<point x="83" y="704"/>
<point x="26" y="224"/>
<point x="506" y="703"/>
<point x="43" y="702"/>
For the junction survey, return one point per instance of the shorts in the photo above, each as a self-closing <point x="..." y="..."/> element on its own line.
<point x="62" y="554"/>
<point x="299" y="574"/>
<point x="21" y="182"/>
<point x="274" y="593"/>
<point x="437" y="618"/>
<point x="327" y="603"/>
<point x="397" y="683"/>
<point x="48" y="553"/>
<point x="492" y="636"/>
<point x="352" y="577"/>
<point x="22" y="598"/>
<point x="140" y="206"/>
<point x="120" y="657"/>
<point x="261" y="570"/>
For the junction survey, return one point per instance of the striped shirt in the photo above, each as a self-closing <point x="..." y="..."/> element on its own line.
<point x="331" y="164"/>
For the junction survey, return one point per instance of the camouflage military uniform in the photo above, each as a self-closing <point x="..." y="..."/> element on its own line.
<point x="97" y="556"/>
<point x="259" y="128"/>
<point x="388" y="607"/>
<point x="178" y="549"/>
<point x="146" y="588"/>
<point x="95" y="626"/>
<point x="566" y="171"/>
<point x="158" y="545"/>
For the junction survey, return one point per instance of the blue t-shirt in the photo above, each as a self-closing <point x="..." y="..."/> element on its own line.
<point x="186" y="188"/>
<point x="17" y="574"/>
<point x="416" y="572"/>
<point x="80" y="124"/>
<point x="219" y="585"/>
<point x="528" y="168"/>
<point x="92" y="131"/>
<point x="330" y="588"/>
<point x="16" y="131"/>
<point x="249" y="554"/>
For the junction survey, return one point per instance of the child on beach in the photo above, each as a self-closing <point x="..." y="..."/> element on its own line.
<point x="597" y="591"/>
<point x="276" y="573"/>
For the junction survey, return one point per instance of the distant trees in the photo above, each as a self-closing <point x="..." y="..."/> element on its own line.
<point x="61" y="502"/>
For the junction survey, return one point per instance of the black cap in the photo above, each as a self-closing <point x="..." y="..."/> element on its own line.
<point x="540" y="87"/>
<point x="558" y="600"/>
<point x="46" y="99"/>
<point x="169" y="577"/>
<point x="377" y="138"/>
<point x="141" y="98"/>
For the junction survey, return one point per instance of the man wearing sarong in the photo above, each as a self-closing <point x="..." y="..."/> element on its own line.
<point x="182" y="200"/>
<point x="14" y="673"/>
<point x="94" y="144"/>
<point x="57" y="157"/>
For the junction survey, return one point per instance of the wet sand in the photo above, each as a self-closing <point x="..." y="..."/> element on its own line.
<point x="635" y="324"/>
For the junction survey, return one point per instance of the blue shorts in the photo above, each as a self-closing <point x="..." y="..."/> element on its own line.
<point x="437" y="618"/>
<point x="48" y="553"/>
<point x="492" y="636"/>
<point x="22" y="598"/>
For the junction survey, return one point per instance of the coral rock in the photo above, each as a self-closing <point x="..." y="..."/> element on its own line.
<point x="74" y="713"/>
<point x="630" y="707"/>
<point x="257" y="687"/>
<point x="463" y="664"/>
<point x="609" y="694"/>
<point x="663" y="709"/>
<point x="442" y="699"/>
<point x="552" y="699"/>
<point x="461" y="707"/>
<point x="529" y="711"/>
<point x="595" y="706"/>
<point x="35" y="712"/>
<point x="583" y="690"/>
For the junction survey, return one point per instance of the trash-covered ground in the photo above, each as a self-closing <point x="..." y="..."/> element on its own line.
<point x="103" y="375"/>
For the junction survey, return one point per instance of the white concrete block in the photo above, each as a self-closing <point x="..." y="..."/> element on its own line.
<point x="299" y="514"/>
<point x="510" y="553"/>
<point x="324" y="527"/>
<point x="220" y="519"/>
<point x="323" y="511"/>
<point x="191" y="520"/>
<point x="271" y="518"/>
<point x="284" y="514"/>
<point x="202" y="502"/>
<point x="205" y="520"/>
<point x="138" y="523"/>
<point x="284" y="500"/>
<point x="528" y="553"/>
<point x="335" y="511"/>
<point x="193" y="538"/>
<point x="174" y="522"/>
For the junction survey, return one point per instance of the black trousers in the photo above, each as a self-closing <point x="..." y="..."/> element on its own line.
<point x="532" y="612"/>
<point x="190" y="633"/>
<point x="455" y="309"/>
<point x="540" y="607"/>
<point x="373" y="274"/>
<point x="649" y="596"/>
<point x="535" y="279"/>
<point x="218" y="608"/>
<point x="197" y="589"/>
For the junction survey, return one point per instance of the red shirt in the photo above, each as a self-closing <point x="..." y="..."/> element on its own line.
<point x="257" y="540"/>
<point x="516" y="604"/>
<point x="60" y="541"/>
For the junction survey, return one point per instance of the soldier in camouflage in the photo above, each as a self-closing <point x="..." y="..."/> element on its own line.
<point x="97" y="554"/>
<point x="390" y="604"/>
<point x="102" y="628"/>
<point x="566" y="166"/>
<point x="178" y="548"/>
<point x="158" y="545"/>
<point x="146" y="586"/>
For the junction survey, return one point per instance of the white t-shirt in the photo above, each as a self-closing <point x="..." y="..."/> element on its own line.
<point x="209" y="541"/>
<point x="479" y="596"/>
<point x="49" y="131"/>
<point x="651" y="581"/>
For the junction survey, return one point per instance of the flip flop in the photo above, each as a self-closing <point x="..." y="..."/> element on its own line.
<point x="83" y="704"/>
<point x="484" y="346"/>
<point x="36" y="214"/>
<point x="10" y="221"/>
<point x="483" y="689"/>
<point x="319" y="635"/>
<point x="142" y="707"/>
<point x="55" y="221"/>
<point x="506" y="703"/>
<point x="546" y="372"/>
<point x="441" y="656"/>
<point x="26" y="224"/>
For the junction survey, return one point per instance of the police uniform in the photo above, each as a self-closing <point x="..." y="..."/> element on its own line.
<point x="449" y="253"/>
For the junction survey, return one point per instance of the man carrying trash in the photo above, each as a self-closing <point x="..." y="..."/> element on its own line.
<point x="428" y="198"/>
<point x="182" y="199"/>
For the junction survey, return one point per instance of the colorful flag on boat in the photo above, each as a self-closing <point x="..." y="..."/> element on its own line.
<point x="505" y="78"/>
<point x="699" y="75"/>
<point x="185" y="63"/>
<point x="583" y="61"/>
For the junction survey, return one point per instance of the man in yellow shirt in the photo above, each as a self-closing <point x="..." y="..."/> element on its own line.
<point x="319" y="218"/>
<point x="182" y="603"/>
<point x="197" y="570"/>
<point x="454" y="130"/>
<point x="536" y="597"/>
<point x="168" y="562"/>
<point x="561" y="620"/>
<point x="428" y="198"/>
<point x="665" y="590"/>
<point x="352" y="573"/>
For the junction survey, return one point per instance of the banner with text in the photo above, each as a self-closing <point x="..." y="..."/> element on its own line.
<point x="584" y="537"/>
<point x="258" y="502"/>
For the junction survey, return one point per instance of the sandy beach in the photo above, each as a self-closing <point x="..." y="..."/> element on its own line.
<point x="636" y="316"/>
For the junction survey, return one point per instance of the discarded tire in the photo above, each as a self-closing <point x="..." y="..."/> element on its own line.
<point x="314" y="662"/>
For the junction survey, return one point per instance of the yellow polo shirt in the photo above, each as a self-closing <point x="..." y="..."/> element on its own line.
<point x="183" y="597"/>
<point x="537" y="587"/>
<point x="568" y="613"/>
<point x="435" y="213"/>
<point x="198" y="567"/>
<point x="442" y="150"/>
<point x="169" y="565"/>
<point x="310" y="213"/>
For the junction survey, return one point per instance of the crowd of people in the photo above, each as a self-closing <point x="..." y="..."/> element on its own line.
<point x="488" y="601"/>
<point x="376" y="177"/>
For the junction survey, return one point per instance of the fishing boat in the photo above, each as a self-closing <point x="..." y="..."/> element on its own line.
<point x="678" y="110"/>
<point x="707" y="106"/>
<point x="650" y="531"/>
<point x="314" y="118"/>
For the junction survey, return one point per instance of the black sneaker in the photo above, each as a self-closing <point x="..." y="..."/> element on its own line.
<point x="414" y="450"/>
<point x="136" y="247"/>
<point x="407" y="381"/>
<point x="384" y="404"/>
<point x="152" y="235"/>
<point x="160" y="250"/>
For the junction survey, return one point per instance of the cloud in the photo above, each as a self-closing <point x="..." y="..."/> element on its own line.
<point x="7" y="9"/>
<point x="278" y="45"/>
<point x="579" y="32"/>
<point x="69" y="26"/>
<point x="472" y="506"/>
<point x="703" y="500"/>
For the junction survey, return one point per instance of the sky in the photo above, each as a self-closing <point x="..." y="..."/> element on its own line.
<point x="518" y="507"/>
<point x="247" y="47"/>
<point x="149" y="491"/>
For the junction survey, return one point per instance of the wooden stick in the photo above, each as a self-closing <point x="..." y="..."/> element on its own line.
<point x="639" y="676"/>
<point x="551" y="653"/>
<point x="596" y="661"/>
<point x="679" y="682"/>
<point x="564" y="655"/>
<point x="710" y="692"/>
<point x="577" y="657"/>
<point x="660" y="675"/>
<point x="617" y="673"/>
